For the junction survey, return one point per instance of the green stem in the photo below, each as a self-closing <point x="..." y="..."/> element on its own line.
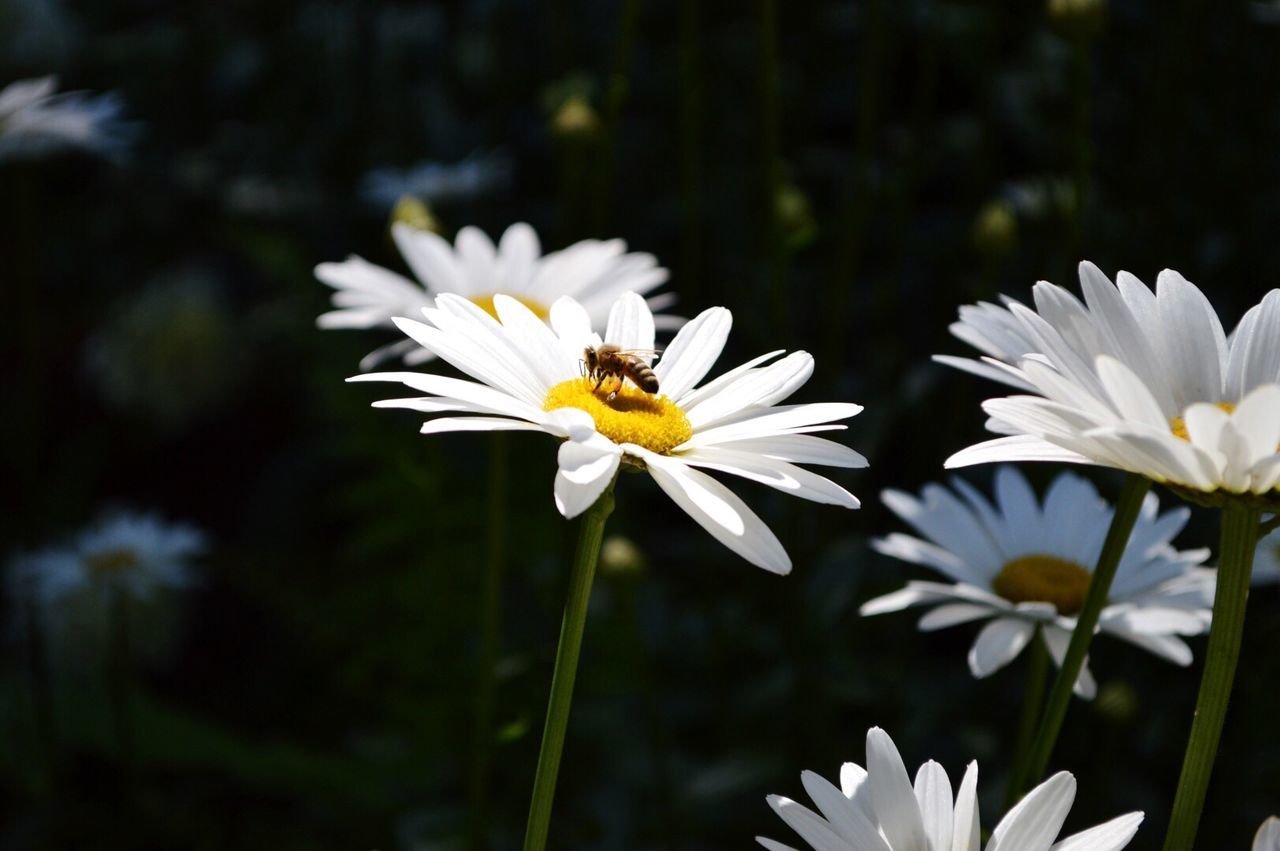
<point x="1126" y="514"/>
<point x="1032" y="705"/>
<point x="490" y="639"/>
<point x="590" y="534"/>
<point x="1235" y="565"/>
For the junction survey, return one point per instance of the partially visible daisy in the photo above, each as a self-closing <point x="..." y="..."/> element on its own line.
<point x="1141" y="381"/>
<point x="436" y="182"/>
<point x="1027" y="567"/>
<point x="592" y="271"/>
<point x="1266" y="560"/>
<point x="1268" y="836"/>
<point x="528" y="376"/>
<point x="34" y="121"/>
<point x="877" y="809"/>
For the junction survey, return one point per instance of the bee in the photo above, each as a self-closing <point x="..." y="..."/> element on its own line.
<point x="609" y="361"/>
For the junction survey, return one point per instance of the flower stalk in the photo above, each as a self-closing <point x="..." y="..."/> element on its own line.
<point x="1032" y="705"/>
<point x="1126" y="515"/>
<point x="590" y="534"/>
<point x="1239" y="535"/>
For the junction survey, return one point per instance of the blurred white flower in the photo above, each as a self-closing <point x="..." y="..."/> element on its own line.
<point x="593" y="272"/>
<point x="436" y="182"/>
<point x="1268" y="836"/>
<point x="529" y="376"/>
<point x="1028" y="567"/>
<point x="35" y="122"/>
<point x="877" y="809"/>
<point x="69" y="590"/>
<point x="1140" y="381"/>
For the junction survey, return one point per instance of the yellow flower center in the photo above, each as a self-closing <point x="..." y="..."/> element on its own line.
<point x="111" y="562"/>
<point x="1179" y="426"/>
<point x="485" y="303"/>
<point x="632" y="416"/>
<point x="1043" y="579"/>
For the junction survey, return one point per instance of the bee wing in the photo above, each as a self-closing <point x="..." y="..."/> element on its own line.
<point x="647" y="354"/>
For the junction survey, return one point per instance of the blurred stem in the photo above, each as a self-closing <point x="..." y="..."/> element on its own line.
<point x="119" y="675"/>
<point x="1126" y="514"/>
<point x="615" y="97"/>
<point x="771" y="169"/>
<point x="490" y="638"/>
<point x="1032" y="704"/>
<point x="41" y="691"/>
<point x="1235" y="566"/>
<point x="590" y="534"/>
<point x="852" y="229"/>
<point x="690" y="82"/>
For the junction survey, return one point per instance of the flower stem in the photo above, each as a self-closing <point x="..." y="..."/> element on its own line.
<point x="1126" y="514"/>
<point x="1235" y="565"/>
<point x="490" y="639"/>
<point x="590" y="534"/>
<point x="119" y="678"/>
<point x="1032" y="705"/>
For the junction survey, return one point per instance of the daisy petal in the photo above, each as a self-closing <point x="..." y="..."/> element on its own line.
<point x="998" y="644"/>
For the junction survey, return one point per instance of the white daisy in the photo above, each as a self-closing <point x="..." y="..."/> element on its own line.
<point x="1268" y="836"/>
<point x="1027" y="568"/>
<point x="34" y="121"/>
<point x="878" y="809"/>
<point x="1141" y="381"/>
<point x="529" y="376"/>
<point x="592" y="271"/>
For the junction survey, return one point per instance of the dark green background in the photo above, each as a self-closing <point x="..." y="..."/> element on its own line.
<point x="320" y="693"/>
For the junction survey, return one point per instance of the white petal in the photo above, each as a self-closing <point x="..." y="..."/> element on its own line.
<point x="891" y="794"/>
<point x="1021" y="447"/>
<point x="538" y="345"/>
<point x="630" y="324"/>
<point x="801" y="449"/>
<point x="967" y="834"/>
<point x="1034" y="822"/>
<point x="952" y="614"/>
<point x="444" y="424"/>
<point x="431" y="259"/>
<point x="716" y="509"/>
<point x="519" y="250"/>
<point x="933" y="791"/>
<point x="808" y="824"/>
<point x="1129" y="395"/>
<point x="1109" y="836"/>
<point x="485" y="398"/>
<point x="846" y="817"/>
<point x="1268" y="836"/>
<point x="771" y="420"/>
<point x="585" y="469"/>
<point x="1057" y="640"/>
<point x="779" y="475"/>
<point x="571" y="324"/>
<point x="773" y="846"/>
<point x="693" y="351"/>
<point x="998" y="644"/>
<point x="1195" y="348"/>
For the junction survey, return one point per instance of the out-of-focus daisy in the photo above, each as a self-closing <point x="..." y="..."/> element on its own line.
<point x="34" y="121"/>
<point x="1268" y="836"/>
<point x="436" y="182"/>
<point x="1141" y="381"/>
<point x="529" y="376"/>
<point x="1027" y="568"/>
<point x="878" y="809"/>
<point x="71" y="589"/>
<point x="592" y="271"/>
<point x="1266" y="560"/>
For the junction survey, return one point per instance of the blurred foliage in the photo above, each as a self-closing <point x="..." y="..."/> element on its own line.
<point x="163" y="353"/>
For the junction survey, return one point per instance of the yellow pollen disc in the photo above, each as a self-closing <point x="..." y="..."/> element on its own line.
<point x="1043" y="579"/>
<point x="1179" y="427"/>
<point x="112" y="561"/>
<point x="485" y="303"/>
<point x="633" y="416"/>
